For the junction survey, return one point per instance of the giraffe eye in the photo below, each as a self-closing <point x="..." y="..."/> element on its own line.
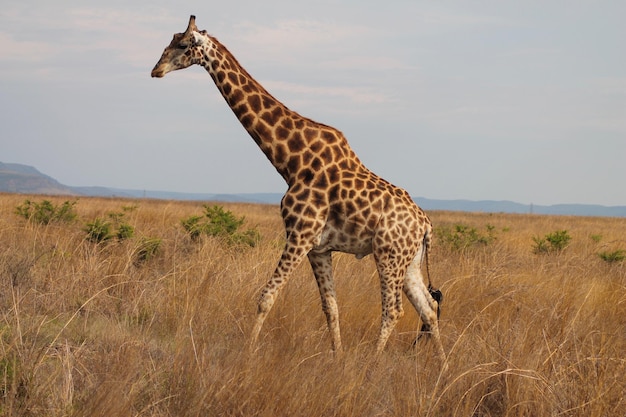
<point x="182" y="46"/>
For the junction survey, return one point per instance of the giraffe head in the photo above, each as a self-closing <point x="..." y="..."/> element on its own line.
<point x="182" y="52"/>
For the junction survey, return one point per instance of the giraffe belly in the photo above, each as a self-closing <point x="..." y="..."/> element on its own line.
<point x="332" y="239"/>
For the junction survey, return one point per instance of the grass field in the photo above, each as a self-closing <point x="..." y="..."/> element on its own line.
<point x="94" y="329"/>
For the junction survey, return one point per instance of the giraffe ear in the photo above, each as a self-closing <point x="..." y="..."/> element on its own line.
<point x="198" y="39"/>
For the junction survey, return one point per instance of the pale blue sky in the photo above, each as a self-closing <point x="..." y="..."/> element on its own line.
<point x="522" y="101"/>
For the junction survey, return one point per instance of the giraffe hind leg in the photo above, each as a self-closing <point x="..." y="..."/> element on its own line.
<point x="426" y="303"/>
<point x="392" y="311"/>
<point x="391" y="295"/>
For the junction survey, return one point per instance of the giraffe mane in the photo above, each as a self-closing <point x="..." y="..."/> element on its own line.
<point x="245" y="72"/>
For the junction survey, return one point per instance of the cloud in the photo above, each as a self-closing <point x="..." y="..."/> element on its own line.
<point x="371" y="62"/>
<point x="24" y="51"/>
<point x="293" y="41"/>
<point x="356" y="95"/>
<point x="300" y="33"/>
<point x="70" y="36"/>
<point x="442" y="20"/>
<point x="615" y="86"/>
<point x="608" y="111"/>
<point x="130" y="35"/>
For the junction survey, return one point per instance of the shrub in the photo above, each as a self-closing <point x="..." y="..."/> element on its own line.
<point x="613" y="256"/>
<point x="552" y="242"/>
<point x="250" y="237"/>
<point x="193" y="226"/>
<point x="46" y="212"/>
<point x="220" y="223"/>
<point x="101" y="230"/>
<point x="98" y="231"/>
<point x="148" y="248"/>
<point x="130" y="208"/>
<point x="460" y="236"/>
<point x="124" y="231"/>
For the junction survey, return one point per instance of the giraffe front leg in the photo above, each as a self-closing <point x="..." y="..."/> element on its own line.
<point x="323" y="271"/>
<point x="289" y="260"/>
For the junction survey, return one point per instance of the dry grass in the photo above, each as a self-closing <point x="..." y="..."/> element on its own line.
<point x="87" y="331"/>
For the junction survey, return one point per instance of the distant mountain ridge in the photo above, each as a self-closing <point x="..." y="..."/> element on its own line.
<point x="24" y="179"/>
<point x="489" y="206"/>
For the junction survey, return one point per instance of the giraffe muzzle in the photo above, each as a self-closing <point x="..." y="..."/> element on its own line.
<point x="157" y="73"/>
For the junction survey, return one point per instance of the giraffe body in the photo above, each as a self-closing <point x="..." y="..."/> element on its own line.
<point x="333" y="202"/>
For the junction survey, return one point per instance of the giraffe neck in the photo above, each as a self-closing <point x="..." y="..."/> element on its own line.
<point x="280" y="132"/>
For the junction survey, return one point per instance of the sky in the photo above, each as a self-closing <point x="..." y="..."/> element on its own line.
<point x="479" y="100"/>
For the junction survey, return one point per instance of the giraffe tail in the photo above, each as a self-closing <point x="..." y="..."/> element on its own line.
<point x="434" y="292"/>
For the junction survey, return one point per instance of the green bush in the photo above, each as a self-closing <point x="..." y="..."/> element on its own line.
<point x="193" y="226"/>
<point x="613" y="256"/>
<point x="101" y="230"/>
<point x="250" y="237"/>
<point x="220" y="223"/>
<point x="98" y="231"/>
<point x="148" y="248"/>
<point x="46" y="212"/>
<point x="552" y="242"/>
<point x="596" y="238"/>
<point x="124" y="231"/>
<point x="460" y="236"/>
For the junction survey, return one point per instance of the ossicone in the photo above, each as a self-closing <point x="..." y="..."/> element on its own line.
<point x="192" y="24"/>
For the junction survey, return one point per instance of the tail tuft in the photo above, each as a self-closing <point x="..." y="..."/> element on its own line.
<point x="438" y="297"/>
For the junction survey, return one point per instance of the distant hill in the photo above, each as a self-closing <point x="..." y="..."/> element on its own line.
<point x="24" y="179"/>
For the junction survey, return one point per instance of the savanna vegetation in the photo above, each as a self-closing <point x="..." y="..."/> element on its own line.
<point x="116" y="307"/>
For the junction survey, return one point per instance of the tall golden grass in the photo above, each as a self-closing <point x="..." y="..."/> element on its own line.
<point x="88" y="331"/>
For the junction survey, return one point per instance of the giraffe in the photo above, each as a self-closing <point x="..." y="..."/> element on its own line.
<point x="333" y="202"/>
